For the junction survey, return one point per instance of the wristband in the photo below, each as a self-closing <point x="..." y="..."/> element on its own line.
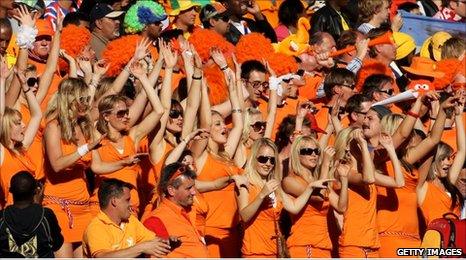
<point x="82" y="150"/>
<point x="26" y="37"/>
<point x="411" y="113"/>
<point x="237" y="110"/>
<point x="196" y="78"/>
<point x="224" y="68"/>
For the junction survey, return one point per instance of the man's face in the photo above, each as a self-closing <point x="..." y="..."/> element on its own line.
<point x="384" y="12"/>
<point x="256" y="85"/>
<point x="123" y="204"/>
<point x="387" y="51"/>
<point x="461" y="182"/>
<point x="184" y="195"/>
<point x="188" y="17"/>
<point x="154" y="30"/>
<point x="328" y="44"/>
<point x="42" y="46"/>
<point x="386" y="91"/>
<point x="371" y="126"/>
<point x="5" y="36"/>
<point x="359" y="116"/>
<point x="110" y="28"/>
<point x="238" y="7"/>
<point x="459" y="7"/>
<point x="221" y="24"/>
<point x="6" y="4"/>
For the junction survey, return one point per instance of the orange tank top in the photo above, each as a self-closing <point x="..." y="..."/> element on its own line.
<point x="69" y="183"/>
<point x="397" y="208"/>
<point x="259" y="234"/>
<point x="436" y="203"/>
<point x="223" y="209"/>
<point x="202" y="209"/>
<point x="13" y="163"/>
<point x="314" y="215"/>
<point x="359" y="220"/>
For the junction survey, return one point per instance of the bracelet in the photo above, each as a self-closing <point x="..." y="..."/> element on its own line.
<point x="26" y="91"/>
<point x="411" y="113"/>
<point x="224" y="68"/>
<point x="237" y="110"/>
<point x="196" y="78"/>
<point x="433" y="118"/>
<point x="82" y="150"/>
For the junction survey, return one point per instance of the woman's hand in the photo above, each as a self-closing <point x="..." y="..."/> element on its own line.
<point x="5" y="72"/>
<point x="386" y="141"/>
<point x="24" y="16"/>
<point x="322" y="184"/>
<point x="269" y="187"/>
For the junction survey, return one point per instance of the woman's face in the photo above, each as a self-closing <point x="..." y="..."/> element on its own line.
<point x="83" y="104"/>
<point x="218" y="130"/>
<point x="443" y="166"/>
<point x="17" y="130"/>
<point x="309" y="155"/>
<point x="256" y="127"/>
<point x="188" y="160"/>
<point x="265" y="161"/>
<point x="175" y="120"/>
<point x="118" y="117"/>
<point x="32" y="81"/>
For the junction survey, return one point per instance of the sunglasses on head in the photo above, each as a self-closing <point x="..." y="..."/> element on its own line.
<point x="32" y="82"/>
<point x="264" y="159"/>
<point x="309" y="151"/>
<point x="259" y="125"/>
<point x="175" y="114"/>
<point x="387" y="91"/>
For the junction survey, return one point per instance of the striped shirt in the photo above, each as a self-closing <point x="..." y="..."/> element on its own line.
<point x="365" y="28"/>
<point x="54" y="9"/>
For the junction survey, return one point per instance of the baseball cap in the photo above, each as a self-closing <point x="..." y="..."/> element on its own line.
<point x="100" y="11"/>
<point x="211" y="10"/>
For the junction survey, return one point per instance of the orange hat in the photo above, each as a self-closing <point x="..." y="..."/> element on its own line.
<point x="44" y="28"/>
<point x="424" y="67"/>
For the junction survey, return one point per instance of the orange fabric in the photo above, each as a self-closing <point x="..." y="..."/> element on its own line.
<point x="288" y="109"/>
<point x="357" y="252"/>
<point x="222" y="218"/>
<point x="13" y="163"/>
<point x="309" y="251"/>
<point x="129" y="174"/>
<point x="202" y="209"/>
<point x="176" y="78"/>
<point x="360" y="224"/>
<point x="314" y="215"/>
<point x="103" y="235"/>
<point x="390" y="244"/>
<point x="53" y="85"/>
<point x="436" y="203"/>
<point x="181" y="223"/>
<point x="259" y="234"/>
<point x="69" y="184"/>
<point x="449" y="137"/>
<point x="322" y="120"/>
<point x="312" y="83"/>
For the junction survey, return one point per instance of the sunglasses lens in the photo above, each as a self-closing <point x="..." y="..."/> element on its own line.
<point x="32" y="82"/>
<point x="174" y="114"/>
<point x="122" y="113"/>
<point x="309" y="151"/>
<point x="265" y="159"/>
<point x="257" y="126"/>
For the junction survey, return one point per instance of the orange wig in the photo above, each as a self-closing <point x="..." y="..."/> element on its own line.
<point x="73" y="41"/>
<point x="203" y="40"/>
<point x="282" y="64"/>
<point x="253" y="46"/>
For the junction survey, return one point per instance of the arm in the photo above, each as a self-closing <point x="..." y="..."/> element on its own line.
<point x="175" y="154"/>
<point x="294" y="206"/>
<point x="406" y="127"/>
<point x="271" y="113"/>
<point x="340" y="202"/>
<point x="248" y="210"/>
<point x="263" y="25"/>
<point x="368" y="169"/>
<point x="137" y="108"/>
<point x="194" y="98"/>
<point x="156" y="247"/>
<point x="455" y="168"/>
<point x="384" y="180"/>
<point x="4" y="75"/>
<point x="199" y="146"/>
<point x="34" y="108"/>
<point x="234" y="136"/>
<point x="100" y="167"/>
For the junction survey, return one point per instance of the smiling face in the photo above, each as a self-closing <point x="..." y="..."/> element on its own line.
<point x="175" y="119"/>
<point x="309" y="155"/>
<point x="257" y="127"/>
<point x="256" y="84"/>
<point x="265" y="161"/>
<point x="17" y="129"/>
<point x="118" y="117"/>
<point x="184" y="194"/>
<point x="42" y="46"/>
<point x="218" y="129"/>
<point x="371" y="126"/>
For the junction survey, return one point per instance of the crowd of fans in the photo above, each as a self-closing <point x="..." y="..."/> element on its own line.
<point x="231" y="128"/>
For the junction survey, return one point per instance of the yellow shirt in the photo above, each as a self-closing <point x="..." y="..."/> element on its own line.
<point x="103" y="235"/>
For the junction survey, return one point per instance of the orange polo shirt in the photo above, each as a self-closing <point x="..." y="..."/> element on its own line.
<point x="180" y="223"/>
<point x="312" y="83"/>
<point x="103" y="235"/>
<point x="436" y="203"/>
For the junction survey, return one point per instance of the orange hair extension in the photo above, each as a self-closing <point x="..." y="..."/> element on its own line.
<point x="119" y="51"/>
<point x="253" y="46"/>
<point x="73" y="40"/>
<point x="218" y="89"/>
<point x="369" y="67"/>
<point x="203" y="40"/>
<point x="282" y="64"/>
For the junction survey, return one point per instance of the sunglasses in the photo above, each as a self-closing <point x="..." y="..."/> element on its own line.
<point x="223" y="17"/>
<point x="351" y="86"/>
<point x="122" y="113"/>
<point x="259" y="125"/>
<point x="32" y="82"/>
<point x="264" y="159"/>
<point x="257" y="84"/>
<point x="309" y="151"/>
<point x="84" y="100"/>
<point x="387" y="91"/>
<point x="174" y="114"/>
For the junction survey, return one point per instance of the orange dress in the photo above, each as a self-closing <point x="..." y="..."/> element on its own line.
<point x="259" y="233"/>
<point x="436" y="203"/>
<point x="359" y="237"/>
<point x="67" y="195"/>
<point x="129" y="174"/>
<point x="397" y="218"/>
<point x="305" y="242"/>
<point x="221" y="232"/>
<point x="11" y="164"/>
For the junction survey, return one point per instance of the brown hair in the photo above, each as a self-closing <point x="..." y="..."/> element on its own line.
<point x="453" y="48"/>
<point x="368" y="8"/>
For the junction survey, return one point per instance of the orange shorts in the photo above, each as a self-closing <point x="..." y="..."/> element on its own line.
<point x="390" y="244"/>
<point x="358" y="252"/>
<point x="223" y="243"/>
<point x="81" y="218"/>
<point x="309" y="251"/>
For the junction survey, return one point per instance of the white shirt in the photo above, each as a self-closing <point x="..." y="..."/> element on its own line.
<point x="240" y="26"/>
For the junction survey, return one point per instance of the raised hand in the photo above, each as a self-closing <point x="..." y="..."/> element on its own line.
<point x="449" y="102"/>
<point x="137" y="70"/>
<point x="5" y="72"/>
<point x="142" y="49"/>
<point x="100" y="67"/>
<point x="21" y="74"/>
<point x="361" y="48"/>
<point x="218" y="57"/>
<point x="198" y="134"/>
<point x="170" y="57"/>
<point x="303" y="108"/>
<point x="343" y="170"/>
<point x="85" y="65"/>
<point x="323" y="184"/>
<point x="237" y="66"/>
<point x="359" y="137"/>
<point x="24" y="17"/>
<point x="386" y="141"/>
<point x="253" y="8"/>
<point x="329" y="152"/>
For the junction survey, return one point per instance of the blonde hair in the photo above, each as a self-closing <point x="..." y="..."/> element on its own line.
<point x="9" y="118"/>
<point x="368" y="8"/>
<point x="104" y="86"/>
<point x="222" y="155"/>
<point x="453" y="48"/>
<point x="63" y="108"/>
<point x="251" y="165"/>
<point x="443" y="151"/>
<point x="250" y="112"/>
<point x="344" y="137"/>
<point x="390" y="123"/>
<point x="295" y="161"/>
<point x="105" y="107"/>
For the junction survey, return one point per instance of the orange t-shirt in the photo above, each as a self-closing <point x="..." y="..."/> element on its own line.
<point x="181" y="223"/>
<point x="223" y="209"/>
<point x="11" y="164"/>
<point x="129" y="174"/>
<point x="359" y="220"/>
<point x="312" y="83"/>
<point x="269" y="10"/>
<point x="202" y="209"/>
<point x="314" y="215"/>
<point x="259" y="234"/>
<point x="436" y="203"/>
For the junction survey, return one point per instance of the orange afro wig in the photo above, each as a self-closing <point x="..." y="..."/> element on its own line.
<point x="282" y="64"/>
<point x="218" y="89"/>
<point x="203" y="40"/>
<point x="451" y="68"/>
<point x="73" y="40"/>
<point x="119" y="51"/>
<point x="369" y="67"/>
<point x="253" y="46"/>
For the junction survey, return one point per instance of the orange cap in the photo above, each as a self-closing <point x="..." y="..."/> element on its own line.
<point x="44" y="28"/>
